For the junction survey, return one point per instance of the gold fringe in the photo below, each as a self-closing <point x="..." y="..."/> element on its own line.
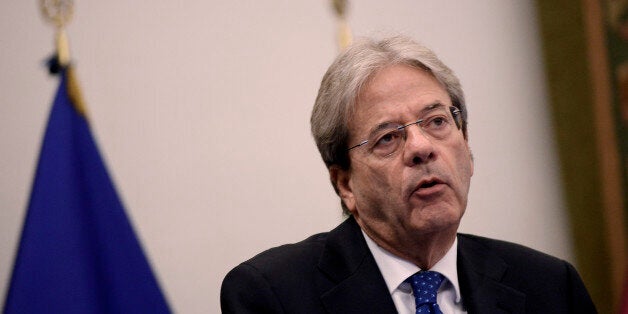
<point x="76" y="97"/>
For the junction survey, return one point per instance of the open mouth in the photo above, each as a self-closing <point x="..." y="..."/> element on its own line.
<point x="429" y="187"/>
<point x="429" y="184"/>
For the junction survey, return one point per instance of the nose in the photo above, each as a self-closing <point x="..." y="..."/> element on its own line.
<point x="419" y="147"/>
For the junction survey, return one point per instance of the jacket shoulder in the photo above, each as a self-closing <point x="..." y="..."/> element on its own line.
<point x="277" y="280"/>
<point x="515" y="255"/>
<point x="509" y="251"/>
<point x="286" y="257"/>
<point x="549" y="284"/>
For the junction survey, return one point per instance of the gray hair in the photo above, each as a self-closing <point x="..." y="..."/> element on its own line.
<point x="350" y="71"/>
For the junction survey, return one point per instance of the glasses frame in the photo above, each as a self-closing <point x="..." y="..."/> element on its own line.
<point x="455" y="114"/>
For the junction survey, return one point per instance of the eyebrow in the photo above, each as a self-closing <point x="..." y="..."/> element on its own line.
<point x="428" y="108"/>
<point x="390" y="125"/>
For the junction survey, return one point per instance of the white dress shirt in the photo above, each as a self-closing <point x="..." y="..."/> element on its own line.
<point x="396" y="270"/>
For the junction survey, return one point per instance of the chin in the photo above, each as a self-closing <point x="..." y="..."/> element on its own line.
<point x="433" y="219"/>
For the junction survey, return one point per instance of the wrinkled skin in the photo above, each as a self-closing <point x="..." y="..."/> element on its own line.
<point x="411" y="202"/>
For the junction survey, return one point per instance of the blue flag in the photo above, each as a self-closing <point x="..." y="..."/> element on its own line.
<point x="78" y="252"/>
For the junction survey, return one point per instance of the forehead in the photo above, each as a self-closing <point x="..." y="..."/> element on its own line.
<point x="397" y="94"/>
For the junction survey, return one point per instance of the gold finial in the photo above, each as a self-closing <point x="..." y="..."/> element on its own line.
<point x="340" y="6"/>
<point x="59" y="13"/>
<point x="344" y="32"/>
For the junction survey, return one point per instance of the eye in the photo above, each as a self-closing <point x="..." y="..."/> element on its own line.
<point x="387" y="138"/>
<point x="387" y="142"/>
<point x="436" y="122"/>
<point x="438" y="125"/>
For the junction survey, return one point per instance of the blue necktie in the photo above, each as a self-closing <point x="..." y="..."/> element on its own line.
<point x="425" y="286"/>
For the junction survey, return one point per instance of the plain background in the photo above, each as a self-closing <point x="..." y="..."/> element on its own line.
<point x="201" y="110"/>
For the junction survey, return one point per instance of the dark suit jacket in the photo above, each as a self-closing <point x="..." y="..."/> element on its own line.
<point x="335" y="272"/>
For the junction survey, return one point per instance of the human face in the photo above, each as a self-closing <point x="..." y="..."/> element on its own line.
<point x="421" y="189"/>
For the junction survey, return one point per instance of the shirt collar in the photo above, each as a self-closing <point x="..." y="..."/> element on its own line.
<point x="396" y="270"/>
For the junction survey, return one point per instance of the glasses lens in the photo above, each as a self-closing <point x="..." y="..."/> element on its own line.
<point x="387" y="141"/>
<point x="438" y="124"/>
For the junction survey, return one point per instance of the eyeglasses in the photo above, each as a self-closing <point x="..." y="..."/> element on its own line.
<point x="388" y="138"/>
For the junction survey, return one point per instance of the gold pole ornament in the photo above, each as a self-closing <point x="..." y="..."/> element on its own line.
<point x="344" y="32"/>
<point x="59" y="13"/>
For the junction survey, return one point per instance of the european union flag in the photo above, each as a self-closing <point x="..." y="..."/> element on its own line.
<point x="78" y="252"/>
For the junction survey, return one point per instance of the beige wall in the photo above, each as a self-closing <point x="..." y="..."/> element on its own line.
<point x="201" y="109"/>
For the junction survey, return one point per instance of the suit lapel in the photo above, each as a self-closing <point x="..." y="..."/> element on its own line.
<point x="480" y="273"/>
<point x="347" y="261"/>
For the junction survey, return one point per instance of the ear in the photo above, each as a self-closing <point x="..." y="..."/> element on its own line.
<point x="341" y="180"/>
<point x="471" y="159"/>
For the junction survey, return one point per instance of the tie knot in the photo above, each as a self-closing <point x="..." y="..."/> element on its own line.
<point x="425" y="285"/>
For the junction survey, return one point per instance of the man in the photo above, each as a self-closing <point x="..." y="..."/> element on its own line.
<point x="391" y="125"/>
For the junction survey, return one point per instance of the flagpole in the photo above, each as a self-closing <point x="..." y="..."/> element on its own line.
<point x="59" y="13"/>
<point x="344" y="32"/>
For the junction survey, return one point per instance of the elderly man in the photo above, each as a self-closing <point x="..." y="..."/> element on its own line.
<point x="390" y="123"/>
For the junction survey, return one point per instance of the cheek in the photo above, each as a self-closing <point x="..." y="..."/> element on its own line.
<point x="372" y="185"/>
<point x="375" y="177"/>
<point x="460" y="165"/>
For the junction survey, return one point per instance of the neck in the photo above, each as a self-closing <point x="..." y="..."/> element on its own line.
<point x="422" y="249"/>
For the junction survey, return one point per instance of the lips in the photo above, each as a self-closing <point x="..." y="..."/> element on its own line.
<point x="428" y="184"/>
<point x="429" y="187"/>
